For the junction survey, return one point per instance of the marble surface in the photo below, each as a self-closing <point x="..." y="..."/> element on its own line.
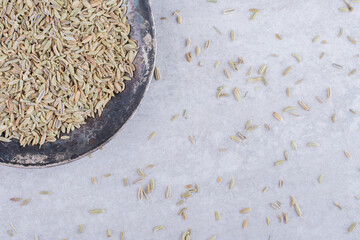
<point x="211" y="121"/>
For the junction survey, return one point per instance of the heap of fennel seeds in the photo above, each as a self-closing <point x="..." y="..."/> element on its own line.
<point x="60" y="62"/>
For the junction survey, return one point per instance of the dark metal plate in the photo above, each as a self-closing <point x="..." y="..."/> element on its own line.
<point x="97" y="131"/>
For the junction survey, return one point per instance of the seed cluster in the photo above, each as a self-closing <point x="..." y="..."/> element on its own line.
<point x="60" y="63"/>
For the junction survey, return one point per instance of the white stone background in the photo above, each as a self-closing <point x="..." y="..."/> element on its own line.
<point x="211" y="121"/>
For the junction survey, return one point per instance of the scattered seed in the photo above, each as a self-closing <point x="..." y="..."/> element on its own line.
<point x="333" y="117"/>
<point x="313" y="144"/>
<point x="168" y="192"/>
<point x="188" y="56"/>
<point x="267" y="127"/>
<point x="217" y="216"/>
<point x="245" y="210"/>
<point x="217" y="30"/>
<point x="227" y="74"/>
<point x="25" y="202"/>
<point x="278" y="117"/>
<point x="352" y="72"/>
<point x="286" y="217"/>
<point x="352" y="40"/>
<point x="254" y="16"/>
<point x="244" y="225"/>
<point x="322" y="55"/>
<point x="255" y="80"/>
<point x="329" y="92"/>
<point x="157" y="73"/>
<point x="140" y="172"/>
<point x="96" y="211"/>
<point x="286" y="109"/>
<point x="93" y="179"/>
<point x="252" y="128"/>
<point x="174" y="117"/>
<point x="188" y="42"/>
<point x="287" y="70"/>
<point x="278" y="36"/>
<point x="300" y="81"/>
<point x="207" y="44"/>
<point x="192" y="139"/>
<point x="157" y="228"/>
<point x="319" y="99"/>
<point x="152" y="135"/>
<point x="109" y="233"/>
<point x="237" y="94"/>
<point x="186" y="194"/>
<point x="316" y="38"/>
<point x="268" y="221"/>
<point x="347" y="154"/>
<point x="338" y="205"/>
<point x="140" y="193"/>
<point x="152" y="185"/>
<point x="265" y="189"/>
<point x="294" y="114"/>
<point x="250" y="71"/>
<point x="298" y="58"/>
<point x="217" y="64"/>
<point x="45" y="192"/>
<point x="343" y="9"/>
<point x="352" y="111"/>
<point x="232" y="183"/>
<point x="126" y="182"/>
<point x="248" y="124"/>
<point x="349" y="6"/>
<point x="81" y="229"/>
<point x="320" y="178"/>
<point x="297" y="209"/>
<point x="277" y="163"/>
<point x="185" y="114"/>
<point x="262" y="69"/>
<point x="179" y="19"/>
<point x="286" y="155"/>
<point x="288" y="92"/>
<point x="353" y="226"/>
<point x="198" y="50"/>
<point x="236" y="139"/>
<point x="304" y="106"/>
<point x="176" y="12"/>
<point x="335" y="65"/>
<point x="183" y="214"/>
<point x="229" y="10"/>
<point x="15" y="199"/>
<point x="180" y="202"/>
<point x="292" y="200"/>
<point x="233" y="35"/>
<point x="13" y="227"/>
<point x="294" y="145"/>
<point x="186" y="235"/>
<point x="212" y="238"/>
<point x="341" y="32"/>
<point x="138" y="180"/>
